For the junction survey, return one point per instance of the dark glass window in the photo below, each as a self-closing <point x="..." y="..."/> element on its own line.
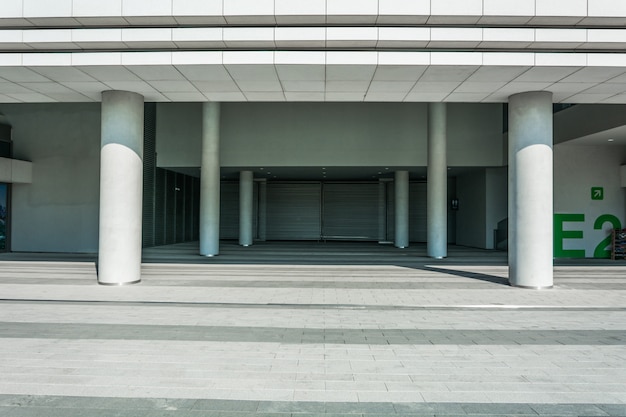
<point x="5" y="149"/>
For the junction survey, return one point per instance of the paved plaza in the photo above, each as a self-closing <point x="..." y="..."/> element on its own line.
<point x="310" y="329"/>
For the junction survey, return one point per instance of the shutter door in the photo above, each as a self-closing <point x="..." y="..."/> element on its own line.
<point x="293" y="211"/>
<point x="170" y="207"/>
<point x="417" y="212"/>
<point x="159" y="207"/>
<point x="350" y="211"/>
<point x="149" y="174"/>
<point x="391" y="213"/>
<point x="179" y="196"/>
<point x="229" y="210"/>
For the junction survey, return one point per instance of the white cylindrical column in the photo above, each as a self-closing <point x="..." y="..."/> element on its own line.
<point x="401" y="188"/>
<point x="121" y="188"/>
<point x="210" y="181"/>
<point x="437" y="187"/>
<point x="530" y="190"/>
<point x="246" y="198"/>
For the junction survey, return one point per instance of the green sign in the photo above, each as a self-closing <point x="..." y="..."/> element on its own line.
<point x="597" y="193"/>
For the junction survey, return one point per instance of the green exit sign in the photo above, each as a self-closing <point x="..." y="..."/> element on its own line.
<point x="597" y="193"/>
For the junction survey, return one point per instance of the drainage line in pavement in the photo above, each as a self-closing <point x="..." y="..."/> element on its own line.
<point x="487" y="307"/>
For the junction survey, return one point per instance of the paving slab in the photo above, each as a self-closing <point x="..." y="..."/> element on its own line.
<point x="311" y="329"/>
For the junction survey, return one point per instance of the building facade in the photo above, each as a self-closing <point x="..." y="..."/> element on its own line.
<point x="482" y="123"/>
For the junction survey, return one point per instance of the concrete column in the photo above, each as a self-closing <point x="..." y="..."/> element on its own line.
<point x="402" y="209"/>
<point x="210" y="181"/>
<point x="530" y="190"/>
<point x="121" y="188"/>
<point x="246" y="206"/>
<point x="437" y="189"/>
<point x="262" y="209"/>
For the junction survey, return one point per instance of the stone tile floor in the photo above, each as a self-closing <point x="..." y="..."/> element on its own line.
<point x="284" y="331"/>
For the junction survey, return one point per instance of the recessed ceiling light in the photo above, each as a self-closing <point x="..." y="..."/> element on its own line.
<point x="611" y="140"/>
<point x="261" y="169"/>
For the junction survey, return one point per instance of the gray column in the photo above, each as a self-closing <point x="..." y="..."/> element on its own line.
<point x="210" y="181"/>
<point x="437" y="189"/>
<point x="530" y="190"/>
<point x="246" y="206"/>
<point x="262" y="209"/>
<point x="121" y="187"/>
<point x="402" y="209"/>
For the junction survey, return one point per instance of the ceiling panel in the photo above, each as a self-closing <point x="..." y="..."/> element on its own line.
<point x="304" y="96"/>
<point x="204" y="72"/>
<point x="301" y="86"/>
<point x="479" y="87"/>
<point x="157" y="72"/>
<point x="382" y="96"/>
<point x="216" y="86"/>
<point x="265" y="96"/>
<point x="344" y="96"/>
<point x="20" y="74"/>
<point x="447" y="73"/>
<point x="546" y="74"/>
<point x="259" y="86"/>
<point x="497" y="74"/>
<point x="597" y="74"/>
<point x="347" y="86"/>
<point x="252" y="72"/>
<point x="350" y="72"/>
<point x="301" y="72"/>
<point x="225" y="96"/>
<point x="390" y="86"/>
<point x="173" y="86"/>
<point x="109" y="73"/>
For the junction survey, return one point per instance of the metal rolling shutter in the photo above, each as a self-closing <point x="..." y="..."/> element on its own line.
<point x="417" y="212"/>
<point x="196" y="208"/>
<point x="391" y="213"/>
<point x="294" y="211"/>
<point x="188" y="208"/>
<point x="170" y="207"/>
<point x="350" y="211"/>
<point x="179" y="197"/>
<point x="229" y="210"/>
<point x="149" y="175"/>
<point x="159" y="207"/>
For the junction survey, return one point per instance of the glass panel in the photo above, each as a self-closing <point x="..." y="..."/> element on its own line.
<point x="3" y="217"/>
<point x="5" y="149"/>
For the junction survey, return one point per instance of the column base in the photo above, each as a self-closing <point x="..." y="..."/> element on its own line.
<point x="526" y="287"/>
<point x="118" y="284"/>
